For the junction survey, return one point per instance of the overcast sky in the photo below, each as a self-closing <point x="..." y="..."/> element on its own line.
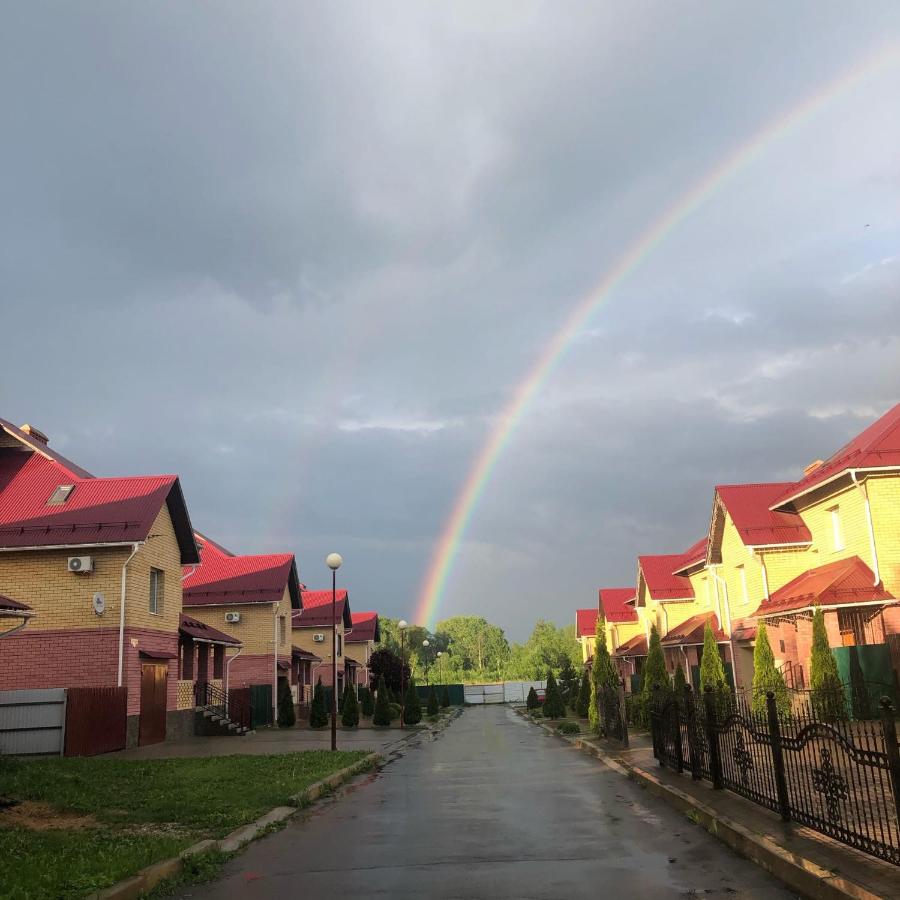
<point x="303" y="253"/>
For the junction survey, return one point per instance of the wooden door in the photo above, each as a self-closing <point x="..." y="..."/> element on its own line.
<point x="152" y="727"/>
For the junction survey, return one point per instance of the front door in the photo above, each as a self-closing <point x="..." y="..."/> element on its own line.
<point x="152" y="728"/>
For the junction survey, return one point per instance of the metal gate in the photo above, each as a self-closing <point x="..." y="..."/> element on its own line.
<point x="32" y="722"/>
<point x="96" y="720"/>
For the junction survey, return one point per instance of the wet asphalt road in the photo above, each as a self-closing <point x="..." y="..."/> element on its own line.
<point x="495" y="808"/>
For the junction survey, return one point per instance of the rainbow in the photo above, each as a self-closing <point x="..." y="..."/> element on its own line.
<point x="448" y="546"/>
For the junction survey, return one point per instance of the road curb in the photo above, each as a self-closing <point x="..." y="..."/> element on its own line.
<point x="148" y="878"/>
<point x="803" y="875"/>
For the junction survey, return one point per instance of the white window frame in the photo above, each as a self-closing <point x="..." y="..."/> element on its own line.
<point x="837" y="531"/>
<point x="156" y="578"/>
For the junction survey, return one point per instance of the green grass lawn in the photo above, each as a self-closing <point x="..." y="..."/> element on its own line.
<point x="140" y="811"/>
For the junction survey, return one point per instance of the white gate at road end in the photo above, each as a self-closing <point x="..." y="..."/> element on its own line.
<point x="501" y="691"/>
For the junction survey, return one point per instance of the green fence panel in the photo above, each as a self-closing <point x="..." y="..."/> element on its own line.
<point x="456" y="691"/>
<point x="867" y="675"/>
<point x="261" y="704"/>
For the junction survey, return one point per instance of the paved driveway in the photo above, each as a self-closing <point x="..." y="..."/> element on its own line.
<point x="494" y="808"/>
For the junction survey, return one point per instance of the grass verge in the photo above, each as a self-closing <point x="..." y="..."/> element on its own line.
<point x="87" y="823"/>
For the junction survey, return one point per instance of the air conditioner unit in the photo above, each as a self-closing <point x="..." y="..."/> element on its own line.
<point x="318" y="638"/>
<point x="81" y="564"/>
<point x="232" y="617"/>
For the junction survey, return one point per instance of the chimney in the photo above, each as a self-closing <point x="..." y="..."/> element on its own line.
<point x="36" y="433"/>
<point x="812" y="467"/>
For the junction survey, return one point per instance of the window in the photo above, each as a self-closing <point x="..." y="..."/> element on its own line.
<point x="156" y="591"/>
<point x="837" y="534"/>
<point x="743" y="575"/>
<point x="282" y="630"/>
<point x="339" y="643"/>
<point x="60" y="494"/>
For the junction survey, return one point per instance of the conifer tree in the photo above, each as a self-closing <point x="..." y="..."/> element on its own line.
<point x="350" y="707"/>
<point x="287" y="718"/>
<point x="568" y="683"/>
<point x="712" y="671"/>
<point x="827" y="691"/>
<point x="445" y="697"/>
<point x="554" y="707"/>
<point x="766" y="677"/>
<point x="368" y="702"/>
<point x="679" y="683"/>
<point x="318" y="713"/>
<point x="412" y="708"/>
<point x="654" y="672"/>
<point x="531" y="701"/>
<point x="432" y="709"/>
<point x="603" y="674"/>
<point x="584" y="696"/>
<point x="382" y="713"/>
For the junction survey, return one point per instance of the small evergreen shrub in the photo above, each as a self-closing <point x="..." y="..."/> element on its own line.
<point x="827" y="692"/>
<point x="554" y="707"/>
<point x="583" y="704"/>
<point x="712" y="670"/>
<point x="679" y="683"/>
<point x="395" y="710"/>
<point x="531" y="701"/>
<point x="568" y="683"/>
<point x="766" y="677"/>
<point x="350" y="707"/>
<point x="654" y="673"/>
<point x="381" y="715"/>
<point x="412" y="708"/>
<point x="368" y="702"/>
<point x="318" y="712"/>
<point x="445" y="697"/>
<point x="568" y="728"/>
<point x="432" y="708"/>
<point x="287" y="718"/>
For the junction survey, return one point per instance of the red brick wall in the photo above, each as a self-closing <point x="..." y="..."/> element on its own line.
<point x="246" y="670"/>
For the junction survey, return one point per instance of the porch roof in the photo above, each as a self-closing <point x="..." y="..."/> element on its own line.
<point x="10" y="607"/>
<point x="351" y="663"/>
<point x="637" y="646"/>
<point x="200" y="631"/>
<point x="841" y="583"/>
<point x="300" y="653"/>
<point x="690" y="632"/>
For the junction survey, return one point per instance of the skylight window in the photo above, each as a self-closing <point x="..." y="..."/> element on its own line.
<point x="60" y="494"/>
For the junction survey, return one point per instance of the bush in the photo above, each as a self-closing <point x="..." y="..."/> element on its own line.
<point x="396" y="710"/>
<point x="654" y="671"/>
<point x="368" y="701"/>
<point x="679" y="683"/>
<point x="445" y="697"/>
<point x="412" y="708"/>
<point x="432" y="708"/>
<point x="350" y="707"/>
<point x="568" y="728"/>
<point x="583" y="704"/>
<point x="386" y="664"/>
<point x="554" y="707"/>
<point x="531" y="701"/>
<point x="287" y="718"/>
<point x="318" y="712"/>
<point x="766" y="677"/>
<point x="382" y="713"/>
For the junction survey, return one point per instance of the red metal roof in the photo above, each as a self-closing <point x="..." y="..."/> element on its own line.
<point x="637" y="646"/>
<point x="98" y="510"/>
<point x="691" y="632"/>
<point x="222" y="578"/>
<point x="586" y="622"/>
<point x="694" y="555"/>
<point x="194" y="628"/>
<point x="365" y="628"/>
<point x="661" y="581"/>
<point x="839" y="583"/>
<point x="614" y="603"/>
<point x="316" y="612"/>
<point x="876" y="447"/>
<point x="44" y="450"/>
<point x="756" y="523"/>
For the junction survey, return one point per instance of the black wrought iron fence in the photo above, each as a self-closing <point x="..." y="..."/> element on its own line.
<point x="613" y="716"/>
<point x="228" y="704"/>
<point x="805" y="759"/>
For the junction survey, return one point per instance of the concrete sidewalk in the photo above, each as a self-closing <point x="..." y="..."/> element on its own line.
<point x="833" y="868"/>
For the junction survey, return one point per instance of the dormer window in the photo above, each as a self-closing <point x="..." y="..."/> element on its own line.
<point x="60" y="494"/>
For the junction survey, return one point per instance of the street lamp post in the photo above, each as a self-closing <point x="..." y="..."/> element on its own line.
<point x="333" y="561"/>
<point x="425" y="646"/>
<point x="440" y="658"/>
<point x="402" y="626"/>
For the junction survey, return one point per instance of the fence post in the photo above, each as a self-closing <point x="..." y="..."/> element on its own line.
<point x="784" y="806"/>
<point x="712" y="738"/>
<point x="675" y="714"/>
<point x="893" y="750"/>
<point x="690" y="715"/>
<point x="622" y="714"/>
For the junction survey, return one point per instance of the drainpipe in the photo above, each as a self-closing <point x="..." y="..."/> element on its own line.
<point x="727" y="608"/>
<point x="26" y="617"/>
<point x="275" y="670"/>
<point x="135" y="548"/>
<point x="762" y="567"/>
<point x="228" y="663"/>
<point x="865" y="496"/>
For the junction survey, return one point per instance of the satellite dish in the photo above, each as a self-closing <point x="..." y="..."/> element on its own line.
<point x="99" y="603"/>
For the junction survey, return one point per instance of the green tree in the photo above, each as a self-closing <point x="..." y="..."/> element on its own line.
<point x="766" y="677"/>
<point x="349" y="707"/>
<point x="712" y="671"/>
<point x="603" y="674"/>
<point x="478" y="649"/>
<point x="445" y="697"/>
<point x="382" y="713"/>
<point x="432" y="708"/>
<point x="827" y="692"/>
<point x="568" y="683"/>
<point x="531" y="701"/>
<point x="654" y="672"/>
<point x="412" y="708"/>
<point x="679" y="683"/>
<point x="583" y="704"/>
<point x="368" y="701"/>
<point x="554" y="707"/>
<point x="287" y="718"/>
<point x="318" y="712"/>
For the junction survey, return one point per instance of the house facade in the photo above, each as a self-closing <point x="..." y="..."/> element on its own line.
<point x="98" y="561"/>
<point x="361" y="640"/>
<point x="586" y="631"/>
<point x="313" y="627"/>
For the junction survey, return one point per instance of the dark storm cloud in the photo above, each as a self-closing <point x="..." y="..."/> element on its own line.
<point x="303" y="255"/>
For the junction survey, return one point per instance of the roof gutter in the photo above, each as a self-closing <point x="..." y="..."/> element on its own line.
<point x="66" y="546"/>
<point x="860" y="485"/>
<point x="135" y="548"/>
